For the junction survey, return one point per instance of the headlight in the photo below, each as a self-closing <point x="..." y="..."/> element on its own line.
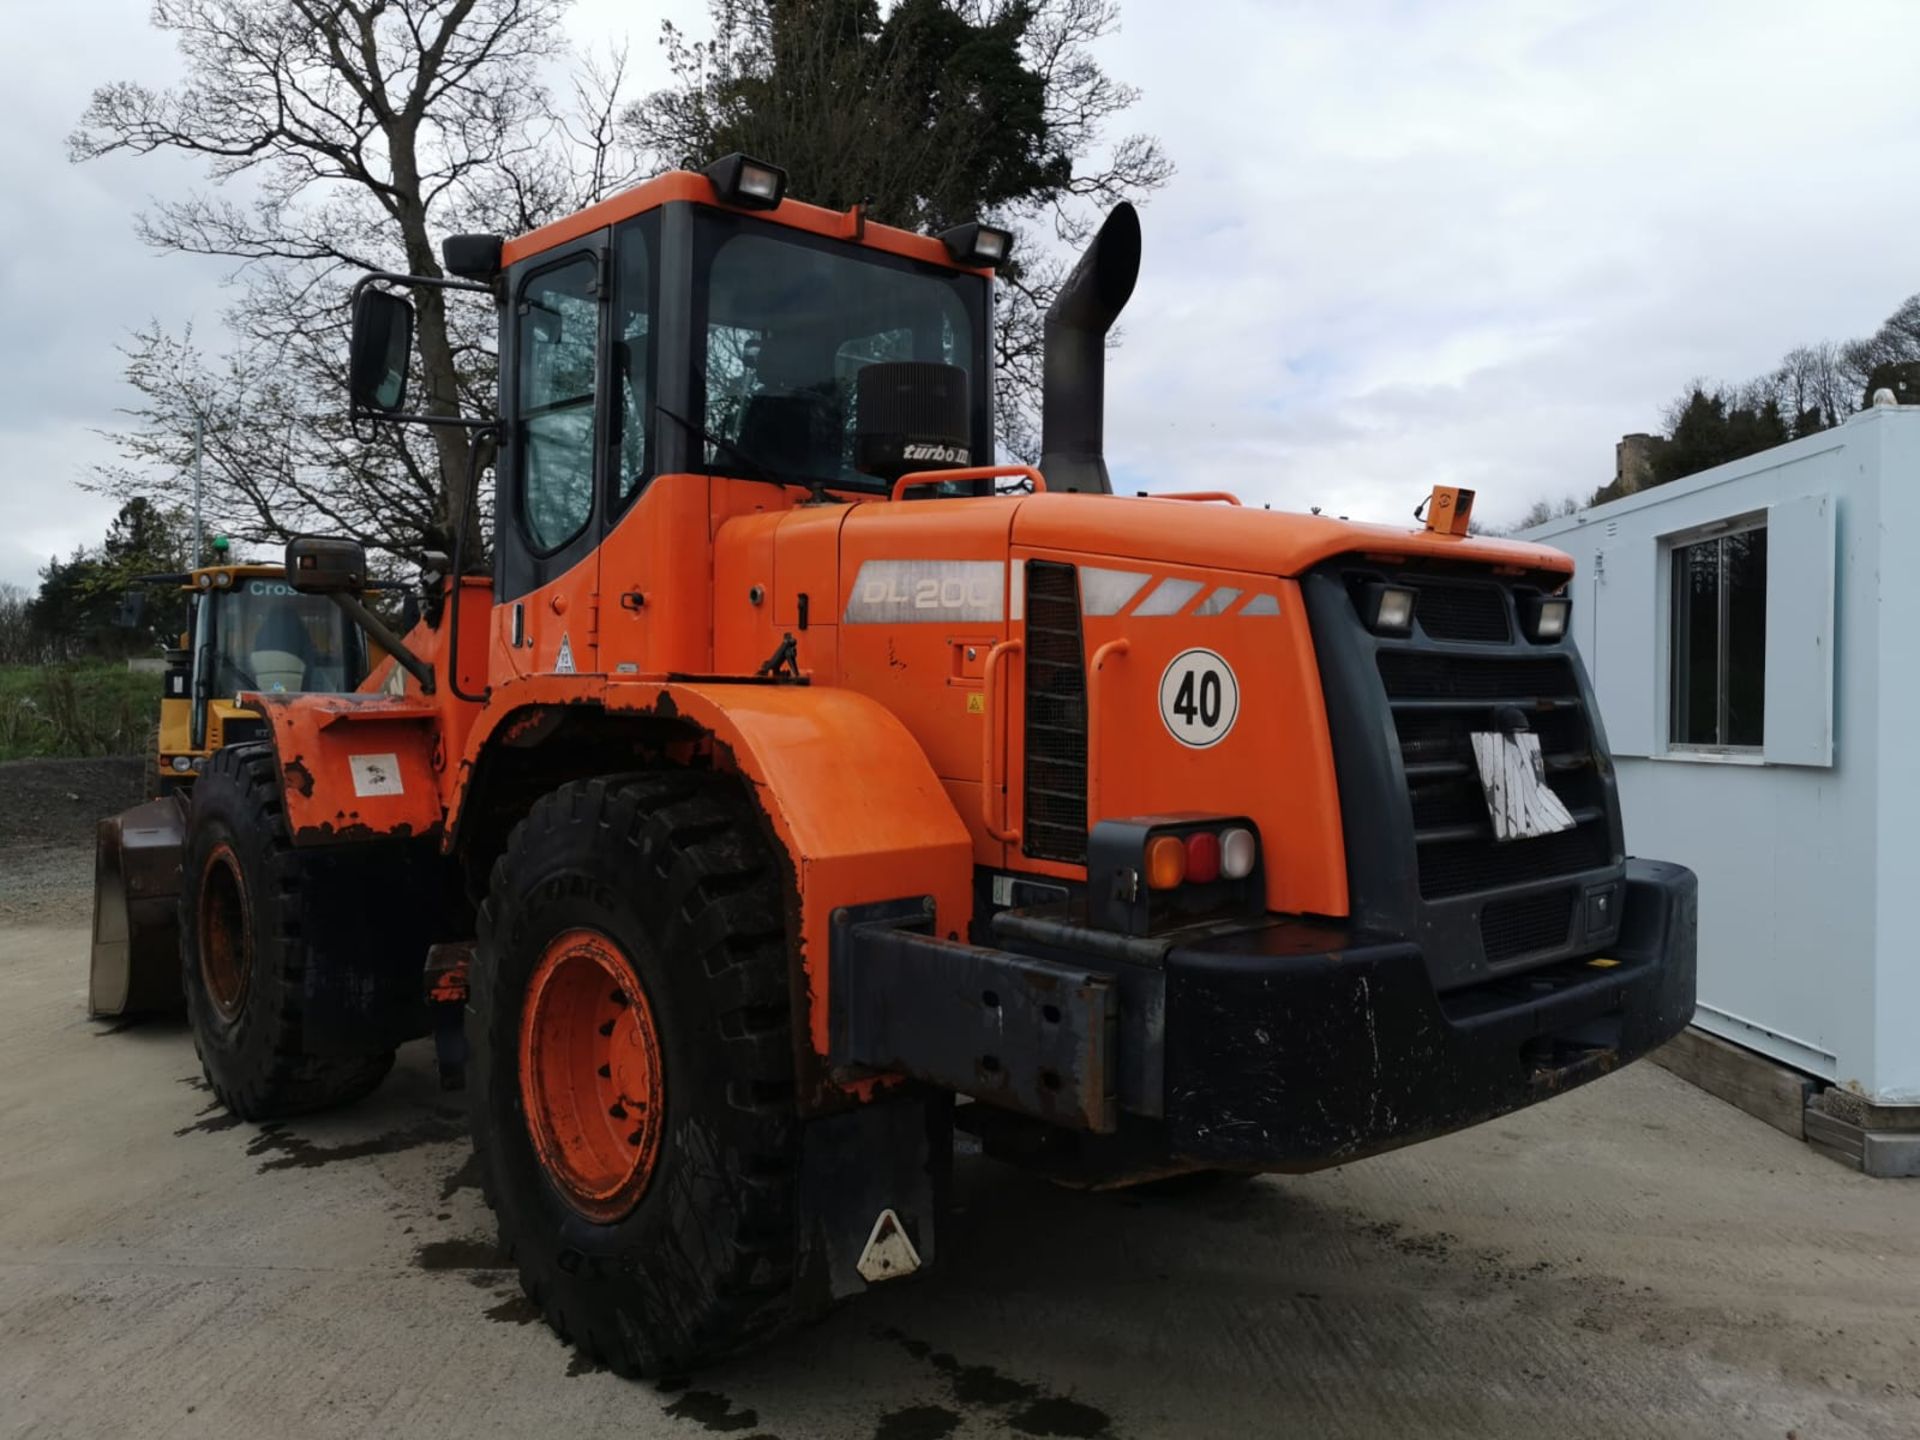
<point x="1387" y="609"/>
<point x="1545" y="617"/>
<point x="180" y="764"/>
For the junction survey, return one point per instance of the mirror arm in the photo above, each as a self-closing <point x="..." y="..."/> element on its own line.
<point x="432" y="282"/>
<point x="456" y="421"/>
<point x="389" y="641"/>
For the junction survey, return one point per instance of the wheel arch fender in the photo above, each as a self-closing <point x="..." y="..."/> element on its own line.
<point x="850" y="799"/>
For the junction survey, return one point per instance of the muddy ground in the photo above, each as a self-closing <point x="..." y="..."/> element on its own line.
<point x="1633" y="1259"/>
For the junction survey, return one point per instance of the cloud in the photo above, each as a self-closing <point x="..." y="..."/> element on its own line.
<point x="1408" y="243"/>
<point x="1475" y="243"/>
<point x="73" y="278"/>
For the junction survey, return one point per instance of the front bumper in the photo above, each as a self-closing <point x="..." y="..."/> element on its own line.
<point x="1281" y="1052"/>
<point x="1282" y="1045"/>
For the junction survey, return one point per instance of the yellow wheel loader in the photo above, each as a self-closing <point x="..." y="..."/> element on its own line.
<point x="247" y="630"/>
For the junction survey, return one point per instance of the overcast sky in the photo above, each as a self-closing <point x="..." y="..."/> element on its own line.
<point x="1471" y="241"/>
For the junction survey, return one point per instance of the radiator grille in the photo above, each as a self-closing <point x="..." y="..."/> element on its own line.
<point x="1510" y="929"/>
<point x="1055" y="815"/>
<point x="1449" y="610"/>
<point x="1438" y="701"/>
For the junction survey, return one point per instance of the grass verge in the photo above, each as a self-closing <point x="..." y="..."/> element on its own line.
<point x="86" y="708"/>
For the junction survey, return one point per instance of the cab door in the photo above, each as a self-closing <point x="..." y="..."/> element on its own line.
<point x="549" y="508"/>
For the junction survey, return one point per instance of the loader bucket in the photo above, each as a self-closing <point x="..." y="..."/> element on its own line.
<point x="136" y="890"/>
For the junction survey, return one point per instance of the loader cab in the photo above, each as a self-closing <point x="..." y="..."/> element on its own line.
<point x="248" y="630"/>
<point x="689" y="338"/>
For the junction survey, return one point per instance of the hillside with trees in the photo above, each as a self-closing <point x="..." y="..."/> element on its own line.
<point x="1813" y="388"/>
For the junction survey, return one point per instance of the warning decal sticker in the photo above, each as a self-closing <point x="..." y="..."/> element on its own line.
<point x="376" y="775"/>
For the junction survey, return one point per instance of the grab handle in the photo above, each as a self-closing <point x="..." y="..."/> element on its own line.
<point x="993" y="750"/>
<point x="975" y="472"/>
<point x="1112" y="650"/>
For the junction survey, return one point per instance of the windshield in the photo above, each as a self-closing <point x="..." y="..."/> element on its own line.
<point x="792" y="318"/>
<point x="269" y="637"/>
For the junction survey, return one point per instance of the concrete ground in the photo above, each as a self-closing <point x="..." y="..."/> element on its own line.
<point x="1634" y="1259"/>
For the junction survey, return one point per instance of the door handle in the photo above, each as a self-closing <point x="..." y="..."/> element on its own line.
<point x="992" y="751"/>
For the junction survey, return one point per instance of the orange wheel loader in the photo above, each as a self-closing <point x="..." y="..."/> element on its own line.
<point x="800" y="786"/>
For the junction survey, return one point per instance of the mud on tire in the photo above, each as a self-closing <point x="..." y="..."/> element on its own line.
<point x="244" y="944"/>
<point x="673" y="869"/>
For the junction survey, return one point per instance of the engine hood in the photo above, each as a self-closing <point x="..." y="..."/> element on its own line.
<point x="1273" y="542"/>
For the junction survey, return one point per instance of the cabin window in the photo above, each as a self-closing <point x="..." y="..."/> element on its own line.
<point x="1720" y="641"/>
<point x="559" y="354"/>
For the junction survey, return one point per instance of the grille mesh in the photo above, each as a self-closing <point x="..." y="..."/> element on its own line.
<point x="1438" y="702"/>
<point x="1055" y="824"/>
<point x="1412" y="676"/>
<point x="1448" y="611"/>
<point x="1512" y="928"/>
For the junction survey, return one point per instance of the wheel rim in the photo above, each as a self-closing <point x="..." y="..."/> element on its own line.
<point x="226" y="932"/>
<point x="591" y="1080"/>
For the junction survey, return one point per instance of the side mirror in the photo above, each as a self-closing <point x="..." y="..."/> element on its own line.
<point x="132" y="610"/>
<point x="377" y="354"/>
<point x="317" y="565"/>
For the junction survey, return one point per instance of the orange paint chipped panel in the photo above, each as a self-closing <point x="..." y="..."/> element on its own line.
<point x="356" y="766"/>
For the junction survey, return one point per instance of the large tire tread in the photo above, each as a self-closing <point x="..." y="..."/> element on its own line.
<point x="283" y="1081"/>
<point x="693" y="840"/>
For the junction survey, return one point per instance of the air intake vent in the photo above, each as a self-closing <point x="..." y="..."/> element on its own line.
<point x="1510" y="929"/>
<point x="1450" y="611"/>
<point x="1054" y="826"/>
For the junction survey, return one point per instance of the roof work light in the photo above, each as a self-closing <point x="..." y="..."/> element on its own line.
<point x="751" y="184"/>
<point x="977" y="244"/>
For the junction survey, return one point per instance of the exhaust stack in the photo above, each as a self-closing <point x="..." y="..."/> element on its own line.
<point x="1073" y="401"/>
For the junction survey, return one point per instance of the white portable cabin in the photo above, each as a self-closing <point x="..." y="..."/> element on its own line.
<point x="1753" y="633"/>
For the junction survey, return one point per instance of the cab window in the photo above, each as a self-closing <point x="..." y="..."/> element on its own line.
<point x="558" y="357"/>
<point x="633" y="360"/>
<point x="791" y="319"/>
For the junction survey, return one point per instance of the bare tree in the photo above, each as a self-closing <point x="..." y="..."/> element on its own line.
<point x="341" y="136"/>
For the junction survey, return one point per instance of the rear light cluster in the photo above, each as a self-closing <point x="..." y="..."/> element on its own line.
<point x="1152" y="874"/>
<point x="1200" y="857"/>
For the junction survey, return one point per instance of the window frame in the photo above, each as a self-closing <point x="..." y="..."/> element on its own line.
<point x="1715" y="533"/>
<point x="595" y="253"/>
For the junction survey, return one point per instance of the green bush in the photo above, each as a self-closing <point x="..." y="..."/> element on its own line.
<point x="90" y="708"/>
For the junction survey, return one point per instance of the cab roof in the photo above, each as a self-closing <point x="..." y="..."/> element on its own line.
<point x="688" y="185"/>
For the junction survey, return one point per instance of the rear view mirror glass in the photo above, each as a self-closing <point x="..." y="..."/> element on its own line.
<point x="377" y="355"/>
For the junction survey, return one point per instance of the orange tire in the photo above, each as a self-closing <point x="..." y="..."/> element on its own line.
<point x="631" y="1072"/>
